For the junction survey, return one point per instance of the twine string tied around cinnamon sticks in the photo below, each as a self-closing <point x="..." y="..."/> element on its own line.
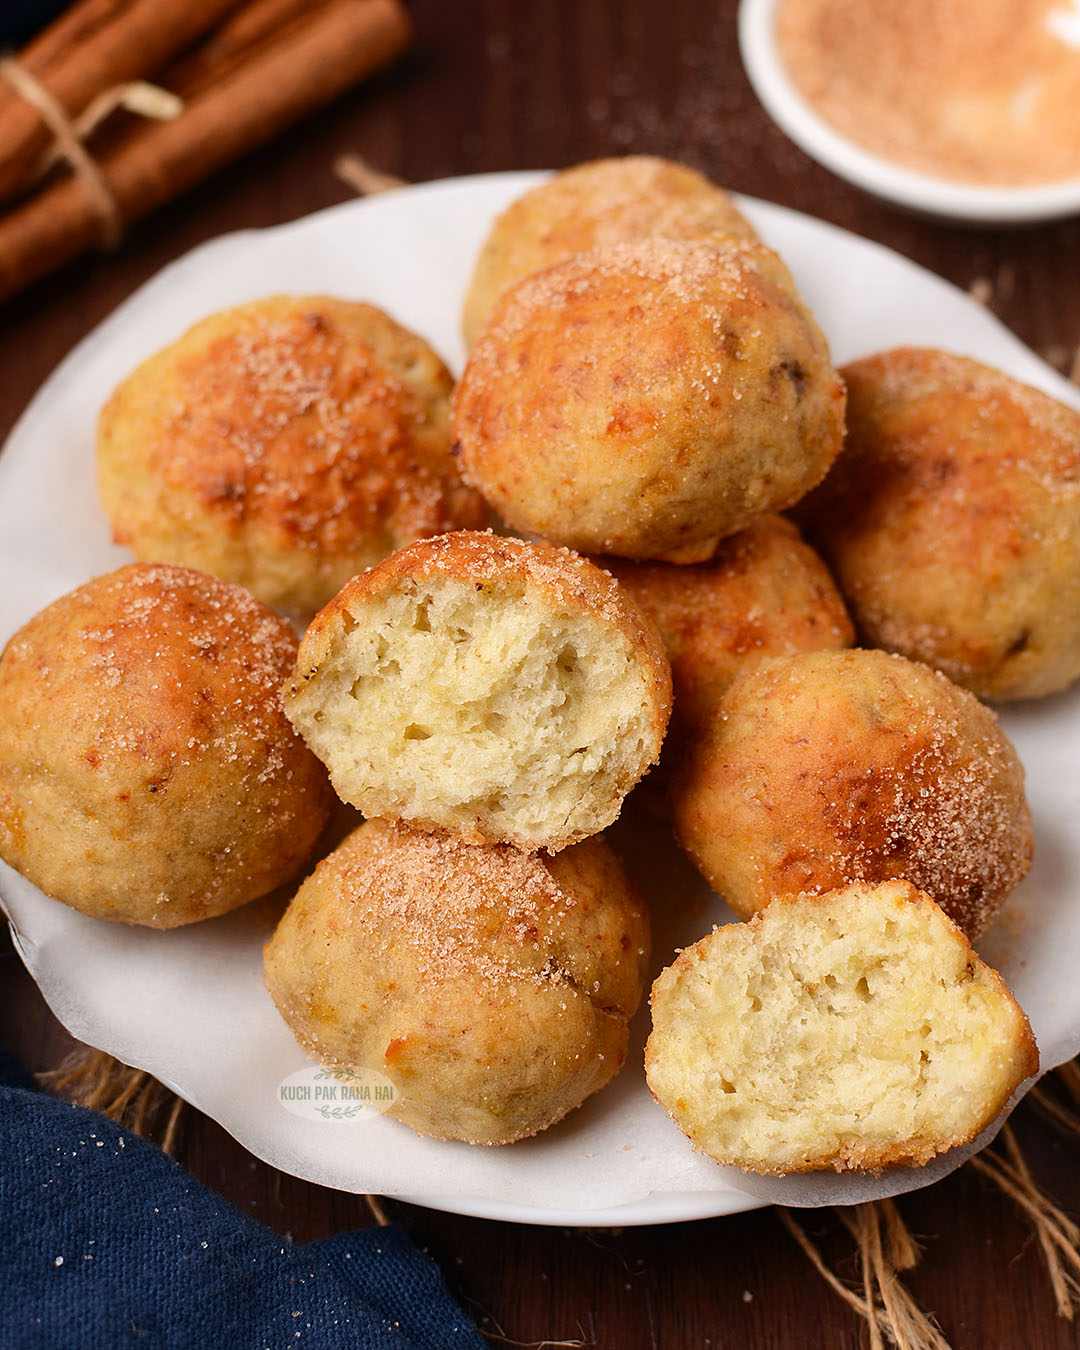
<point x="70" y="133"/>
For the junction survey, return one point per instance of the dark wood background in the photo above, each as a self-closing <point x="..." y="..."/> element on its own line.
<point x="509" y="84"/>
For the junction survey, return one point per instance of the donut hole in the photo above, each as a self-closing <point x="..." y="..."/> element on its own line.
<point x="456" y="702"/>
<point x="284" y="445"/>
<point x="849" y="1030"/>
<point x="913" y="778"/>
<point x="492" y="987"/>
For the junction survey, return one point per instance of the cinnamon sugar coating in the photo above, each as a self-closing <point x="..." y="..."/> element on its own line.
<point x="831" y="767"/>
<point x="492" y="987"/>
<point x="644" y="400"/>
<point x="952" y="521"/>
<point x="285" y="445"/>
<point x="980" y="91"/>
<point x="606" y="201"/>
<point x="147" y="771"/>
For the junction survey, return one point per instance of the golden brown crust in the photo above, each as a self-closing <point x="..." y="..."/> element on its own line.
<point x="492" y="987"/>
<point x="606" y="201"/>
<point x="285" y="445"/>
<point x="763" y="592"/>
<point x="147" y="771"/>
<point x="832" y="767"/>
<point x="562" y="577"/>
<point x="952" y="521"/>
<point x="644" y="398"/>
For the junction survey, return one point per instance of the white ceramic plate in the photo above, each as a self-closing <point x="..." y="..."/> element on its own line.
<point x="189" y="1005"/>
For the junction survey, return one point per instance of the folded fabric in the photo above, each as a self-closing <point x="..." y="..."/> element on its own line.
<point x="104" y="1242"/>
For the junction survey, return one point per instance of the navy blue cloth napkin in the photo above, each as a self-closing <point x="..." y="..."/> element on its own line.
<point x="105" y="1243"/>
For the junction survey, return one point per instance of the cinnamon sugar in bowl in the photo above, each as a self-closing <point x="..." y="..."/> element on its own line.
<point x="959" y="108"/>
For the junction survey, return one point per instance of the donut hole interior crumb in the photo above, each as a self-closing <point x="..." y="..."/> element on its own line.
<point x="462" y="704"/>
<point x="834" y="1036"/>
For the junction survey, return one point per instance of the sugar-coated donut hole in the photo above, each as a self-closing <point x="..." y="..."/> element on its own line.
<point x="492" y="706"/>
<point x="492" y="987"/>
<point x="952" y="521"/>
<point x="148" y="774"/>
<point x="828" y="767"/>
<point x="605" y="201"/>
<point x="645" y="400"/>
<point x="285" y="445"/>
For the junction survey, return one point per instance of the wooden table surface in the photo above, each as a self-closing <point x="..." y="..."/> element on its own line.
<point x="511" y="84"/>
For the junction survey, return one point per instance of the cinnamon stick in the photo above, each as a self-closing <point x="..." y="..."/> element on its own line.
<point x="74" y="25"/>
<point x="108" y="45"/>
<point x="255" y="23"/>
<point x="341" y="42"/>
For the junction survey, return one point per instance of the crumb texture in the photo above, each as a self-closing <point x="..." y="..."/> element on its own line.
<point x="848" y="1031"/>
<point x="484" y="702"/>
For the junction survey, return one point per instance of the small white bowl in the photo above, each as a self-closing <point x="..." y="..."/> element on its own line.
<point x="882" y="177"/>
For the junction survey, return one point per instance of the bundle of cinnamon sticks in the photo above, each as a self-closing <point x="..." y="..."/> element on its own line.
<point x="241" y="71"/>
